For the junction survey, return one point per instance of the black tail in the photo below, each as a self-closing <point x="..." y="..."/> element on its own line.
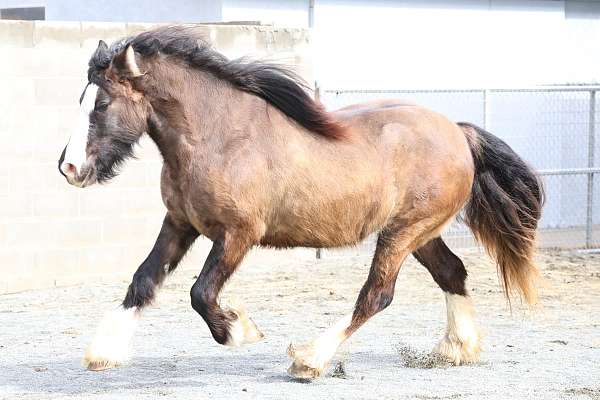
<point x="504" y="210"/>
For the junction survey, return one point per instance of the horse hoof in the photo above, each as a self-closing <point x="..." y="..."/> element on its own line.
<point x="242" y="330"/>
<point x="459" y="352"/>
<point x="303" y="372"/>
<point x="305" y="364"/>
<point x="110" y="346"/>
<point x="98" y="364"/>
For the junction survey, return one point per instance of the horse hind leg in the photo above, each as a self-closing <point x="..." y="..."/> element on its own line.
<point x="461" y="342"/>
<point x="393" y="246"/>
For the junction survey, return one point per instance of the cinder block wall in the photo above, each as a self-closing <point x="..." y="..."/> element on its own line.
<point x="54" y="234"/>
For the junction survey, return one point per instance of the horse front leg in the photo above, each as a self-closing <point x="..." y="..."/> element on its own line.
<point x="229" y="326"/>
<point x="111" y="344"/>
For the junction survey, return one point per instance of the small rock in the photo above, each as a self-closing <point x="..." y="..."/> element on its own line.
<point x="563" y="342"/>
<point x="339" y="371"/>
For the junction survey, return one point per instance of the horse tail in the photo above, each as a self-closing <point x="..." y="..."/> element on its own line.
<point x="504" y="210"/>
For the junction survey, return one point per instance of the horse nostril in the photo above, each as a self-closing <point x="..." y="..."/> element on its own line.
<point x="68" y="169"/>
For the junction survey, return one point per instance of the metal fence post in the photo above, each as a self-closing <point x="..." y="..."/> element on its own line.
<point x="311" y="13"/>
<point x="589" y="223"/>
<point x="486" y="109"/>
<point x="318" y="99"/>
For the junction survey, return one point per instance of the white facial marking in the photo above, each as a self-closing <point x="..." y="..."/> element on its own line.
<point x="111" y="344"/>
<point x="75" y="153"/>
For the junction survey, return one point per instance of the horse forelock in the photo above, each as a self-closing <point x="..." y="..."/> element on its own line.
<point x="274" y="83"/>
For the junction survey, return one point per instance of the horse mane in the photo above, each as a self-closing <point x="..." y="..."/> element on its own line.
<point x="276" y="84"/>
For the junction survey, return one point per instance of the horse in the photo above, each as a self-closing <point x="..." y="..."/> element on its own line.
<point x="250" y="159"/>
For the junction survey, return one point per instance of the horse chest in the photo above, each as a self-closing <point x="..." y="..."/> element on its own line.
<point x="194" y="200"/>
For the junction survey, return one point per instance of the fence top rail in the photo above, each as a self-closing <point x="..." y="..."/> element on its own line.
<point x="574" y="88"/>
<point x="569" y="171"/>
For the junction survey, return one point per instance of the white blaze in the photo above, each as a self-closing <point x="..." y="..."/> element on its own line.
<point x="75" y="152"/>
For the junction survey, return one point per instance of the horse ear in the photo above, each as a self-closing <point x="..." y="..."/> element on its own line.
<point x="102" y="46"/>
<point x="101" y="57"/>
<point x="125" y="64"/>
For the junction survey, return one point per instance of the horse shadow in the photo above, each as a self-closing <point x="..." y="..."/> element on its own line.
<point x="68" y="377"/>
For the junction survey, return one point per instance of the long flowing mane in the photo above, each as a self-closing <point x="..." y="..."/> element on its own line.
<point x="276" y="84"/>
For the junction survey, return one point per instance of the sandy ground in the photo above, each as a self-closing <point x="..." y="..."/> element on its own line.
<point x="553" y="353"/>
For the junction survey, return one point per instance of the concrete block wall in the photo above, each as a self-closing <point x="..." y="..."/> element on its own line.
<point x="50" y="232"/>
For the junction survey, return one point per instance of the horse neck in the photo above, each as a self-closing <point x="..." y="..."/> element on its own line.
<point x="190" y="107"/>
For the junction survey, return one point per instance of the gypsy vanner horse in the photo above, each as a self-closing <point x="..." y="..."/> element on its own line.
<point x="250" y="159"/>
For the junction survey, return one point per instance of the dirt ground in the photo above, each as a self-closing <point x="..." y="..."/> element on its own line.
<point x="552" y="353"/>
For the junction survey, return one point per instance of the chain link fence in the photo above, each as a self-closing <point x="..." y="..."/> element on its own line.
<point x="553" y="128"/>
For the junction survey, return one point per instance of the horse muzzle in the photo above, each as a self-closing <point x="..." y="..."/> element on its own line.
<point x="82" y="177"/>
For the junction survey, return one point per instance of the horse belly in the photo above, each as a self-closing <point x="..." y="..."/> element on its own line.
<point x="329" y="223"/>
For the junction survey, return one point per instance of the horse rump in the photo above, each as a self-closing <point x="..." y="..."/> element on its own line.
<point x="504" y="210"/>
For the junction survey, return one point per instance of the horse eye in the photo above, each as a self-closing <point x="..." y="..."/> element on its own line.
<point x="101" y="107"/>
